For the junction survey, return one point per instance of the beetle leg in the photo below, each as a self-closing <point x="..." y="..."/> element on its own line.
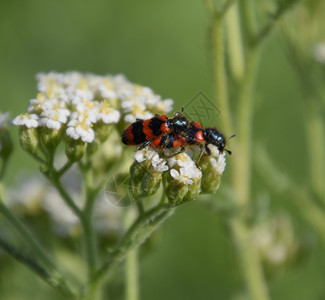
<point x="145" y="144"/>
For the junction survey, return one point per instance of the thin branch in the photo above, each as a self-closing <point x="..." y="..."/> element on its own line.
<point x="65" y="168"/>
<point x="65" y="195"/>
<point x="225" y="8"/>
<point x="136" y="235"/>
<point x="266" y="31"/>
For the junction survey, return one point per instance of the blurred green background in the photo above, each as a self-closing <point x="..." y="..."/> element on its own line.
<point x="164" y="45"/>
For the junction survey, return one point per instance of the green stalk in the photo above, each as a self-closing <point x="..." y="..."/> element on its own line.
<point x="221" y="89"/>
<point x="131" y="267"/>
<point x="250" y="260"/>
<point x="235" y="44"/>
<point x="241" y="161"/>
<point x="89" y="233"/>
<point x="90" y="240"/>
<point x="141" y="229"/>
<point x="315" y="137"/>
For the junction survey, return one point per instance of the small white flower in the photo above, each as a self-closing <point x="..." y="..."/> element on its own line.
<point x="130" y="118"/>
<point x="181" y="176"/>
<point x="144" y="154"/>
<point x="159" y="164"/>
<point x="219" y="164"/>
<point x="107" y="114"/>
<point x="36" y="105"/>
<point x="28" y="120"/>
<point x="54" y="114"/>
<point x="185" y="169"/>
<point x="106" y="88"/>
<point x="79" y="126"/>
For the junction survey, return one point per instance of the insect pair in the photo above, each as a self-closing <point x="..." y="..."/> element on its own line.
<point x="162" y="132"/>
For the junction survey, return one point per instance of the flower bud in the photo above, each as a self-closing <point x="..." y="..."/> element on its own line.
<point x="102" y="131"/>
<point x="212" y="169"/>
<point x="51" y="137"/>
<point x="145" y="180"/>
<point x="74" y="149"/>
<point x="93" y="147"/>
<point x="177" y="192"/>
<point x="29" y="139"/>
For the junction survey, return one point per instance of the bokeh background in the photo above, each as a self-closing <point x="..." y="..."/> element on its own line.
<point x="164" y="45"/>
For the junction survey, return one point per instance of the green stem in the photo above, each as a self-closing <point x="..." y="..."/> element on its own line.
<point x="221" y="89"/>
<point x="315" y="136"/>
<point x="90" y="239"/>
<point x="235" y="44"/>
<point x="251" y="265"/>
<point x="242" y="145"/>
<point x="65" y="168"/>
<point x="131" y="267"/>
<point x="87" y="222"/>
<point x="141" y="229"/>
<point x="250" y="261"/>
<point x="65" y="195"/>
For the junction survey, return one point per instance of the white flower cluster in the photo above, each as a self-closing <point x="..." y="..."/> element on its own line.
<point x="182" y="167"/>
<point x="275" y="240"/>
<point x="76" y="102"/>
<point x="217" y="159"/>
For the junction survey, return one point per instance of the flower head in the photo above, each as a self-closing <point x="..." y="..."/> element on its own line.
<point x="27" y="120"/>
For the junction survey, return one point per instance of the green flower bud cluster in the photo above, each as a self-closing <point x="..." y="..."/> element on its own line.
<point x="184" y="181"/>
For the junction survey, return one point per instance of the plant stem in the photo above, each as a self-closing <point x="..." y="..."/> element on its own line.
<point x="315" y="136"/>
<point x="65" y="195"/>
<point x="220" y="74"/>
<point x="251" y="265"/>
<point x="131" y="267"/>
<point x="235" y="45"/>
<point x="65" y="168"/>
<point x="89" y="233"/>
<point x="250" y="261"/>
<point x="244" y="130"/>
<point x="141" y="229"/>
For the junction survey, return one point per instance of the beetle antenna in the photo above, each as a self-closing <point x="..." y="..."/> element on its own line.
<point x="232" y="136"/>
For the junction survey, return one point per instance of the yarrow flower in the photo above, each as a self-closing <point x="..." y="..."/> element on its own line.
<point x="79" y="127"/>
<point x="78" y="102"/>
<point x="185" y="169"/>
<point x="28" y="120"/>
